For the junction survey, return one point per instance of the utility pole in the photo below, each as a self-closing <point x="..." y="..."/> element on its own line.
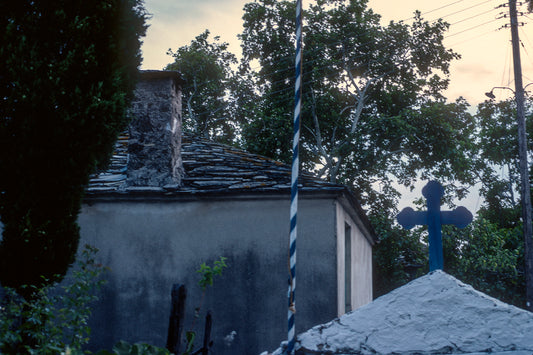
<point x="525" y="190"/>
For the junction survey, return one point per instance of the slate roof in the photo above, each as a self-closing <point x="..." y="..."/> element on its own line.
<point x="211" y="167"/>
<point x="214" y="168"/>
<point x="114" y="178"/>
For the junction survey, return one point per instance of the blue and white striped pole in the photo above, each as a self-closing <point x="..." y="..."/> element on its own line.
<point x="294" y="180"/>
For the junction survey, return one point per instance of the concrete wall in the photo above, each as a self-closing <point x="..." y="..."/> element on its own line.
<point x="151" y="245"/>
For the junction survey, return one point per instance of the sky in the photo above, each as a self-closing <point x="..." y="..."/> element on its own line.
<point x="477" y="33"/>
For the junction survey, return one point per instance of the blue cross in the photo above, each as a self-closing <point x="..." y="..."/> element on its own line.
<point x="434" y="218"/>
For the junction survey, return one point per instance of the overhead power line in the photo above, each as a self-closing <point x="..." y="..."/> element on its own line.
<point x="471" y="17"/>
<point x="437" y="9"/>
<point x="311" y="51"/>
<point x="471" y="38"/>
<point x="463" y="10"/>
<point x="470" y="28"/>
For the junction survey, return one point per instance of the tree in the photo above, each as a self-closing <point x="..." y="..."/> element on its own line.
<point x="69" y="73"/>
<point x="488" y="257"/>
<point x="489" y="253"/>
<point x="206" y="68"/>
<point x="399" y="256"/>
<point x="373" y="110"/>
<point x="498" y="146"/>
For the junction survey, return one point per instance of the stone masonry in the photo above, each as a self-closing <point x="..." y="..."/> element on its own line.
<point x="155" y="132"/>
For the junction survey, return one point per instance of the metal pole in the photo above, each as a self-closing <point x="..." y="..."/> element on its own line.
<point x="525" y="190"/>
<point x="291" y="336"/>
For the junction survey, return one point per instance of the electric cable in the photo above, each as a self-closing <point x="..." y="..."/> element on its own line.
<point x="507" y="61"/>
<point x="471" y="28"/>
<point x="471" y="38"/>
<point x="471" y="17"/>
<point x="259" y="77"/>
<point x="465" y="9"/>
<point x="423" y="13"/>
<point x="438" y="8"/>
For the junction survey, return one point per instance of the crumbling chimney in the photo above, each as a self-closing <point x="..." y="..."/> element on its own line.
<point x="155" y="131"/>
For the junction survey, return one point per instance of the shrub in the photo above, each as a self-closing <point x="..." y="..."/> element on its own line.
<point x="54" y="319"/>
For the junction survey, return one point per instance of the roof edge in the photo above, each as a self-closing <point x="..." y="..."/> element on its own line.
<point x="160" y="194"/>
<point x="359" y="215"/>
<point x="340" y="192"/>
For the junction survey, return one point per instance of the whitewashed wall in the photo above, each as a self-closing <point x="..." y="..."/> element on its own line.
<point x="361" y="263"/>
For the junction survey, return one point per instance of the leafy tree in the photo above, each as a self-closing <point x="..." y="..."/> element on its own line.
<point x="498" y="142"/>
<point x="489" y="253"/>
<point x="69" y="73"/>
<point x="57" y="319"/>
<point x="399" y="256"/>
<point x="373" y="111"/>
<point x="489" y="258"/>
<point x="206" y="68"/>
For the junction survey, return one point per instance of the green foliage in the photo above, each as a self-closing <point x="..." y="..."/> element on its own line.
<point x="399" y="256"/>
<point x="373" y="110"/>
<point x="124" y="348"/>
<point x="373" y="115"/>
<point x="206" y="68"/>
<point x="489" y="253"/>
<point x="190" y="337"/>
<point x="209" y="272"/>
<point x="55" y="317"/>
<point x="488" y="257"/>
<point x="70" y="70"/>
<point x="484" y="255"/>
<point x="498" y="147"/>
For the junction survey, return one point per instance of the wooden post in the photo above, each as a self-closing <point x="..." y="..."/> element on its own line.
<point x="207" y="333"/>
<point x="176" y="319"/>
<point x="525" y="188"/>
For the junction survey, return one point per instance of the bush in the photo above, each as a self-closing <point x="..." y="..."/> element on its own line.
<point x="54" y="319"/>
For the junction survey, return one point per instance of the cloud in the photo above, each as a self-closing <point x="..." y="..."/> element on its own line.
<point x="175" y="24"/>
<point x="193" y="11"/>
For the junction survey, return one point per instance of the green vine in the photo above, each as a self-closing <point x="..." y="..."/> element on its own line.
<point x="209" y="272"/>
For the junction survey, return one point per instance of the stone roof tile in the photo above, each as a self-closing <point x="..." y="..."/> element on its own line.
<point x="210" y="167"/>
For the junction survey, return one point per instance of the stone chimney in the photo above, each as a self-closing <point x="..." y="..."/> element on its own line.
<point x="155" y="132"/>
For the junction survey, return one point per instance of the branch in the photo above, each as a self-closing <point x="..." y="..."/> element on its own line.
<point x="347" y="108"/>
<point x="361" y="97"/>
<point x="189" y="105"/>
<point x="318" y="135"/>
<point x="322" y="171"/>
<point x="393" y="152"/>
<point x="313" y="148"/>
<point x="334" y="171"/>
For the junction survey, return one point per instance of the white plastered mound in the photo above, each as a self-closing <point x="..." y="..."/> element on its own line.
<point x="433" y="314"/>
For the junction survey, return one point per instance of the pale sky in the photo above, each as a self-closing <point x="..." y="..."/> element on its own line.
<point x="476" y="33"/>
